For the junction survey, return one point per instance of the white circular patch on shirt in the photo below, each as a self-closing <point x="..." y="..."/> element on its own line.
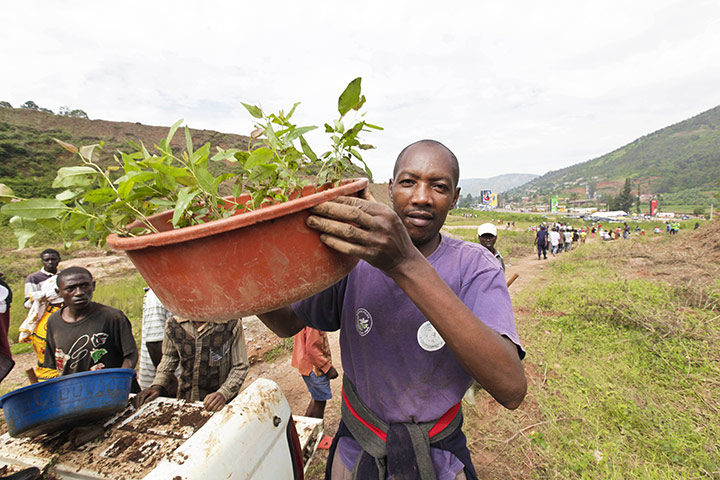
<point x="363" y="321"/>
<point x="428" y="338"/>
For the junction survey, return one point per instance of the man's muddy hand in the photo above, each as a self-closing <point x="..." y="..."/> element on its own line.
<point x="214" y="401"/>
<point x="363" y="228"/>
<point x="147" y="395"/>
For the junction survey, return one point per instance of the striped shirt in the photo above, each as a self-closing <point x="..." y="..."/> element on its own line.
<point x="153" y="330"/>
<point x="209" y="362"/>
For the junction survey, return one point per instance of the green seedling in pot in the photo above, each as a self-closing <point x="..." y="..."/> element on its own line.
<point x="101" y="200"/>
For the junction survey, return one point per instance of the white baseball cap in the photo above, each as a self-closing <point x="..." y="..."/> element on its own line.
<point x="487" y="228"/>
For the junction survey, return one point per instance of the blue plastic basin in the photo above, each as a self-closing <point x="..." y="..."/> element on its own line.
<point x="66" y="401"/>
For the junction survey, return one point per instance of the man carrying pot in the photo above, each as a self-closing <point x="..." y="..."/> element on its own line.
<point x="420" y="317"/>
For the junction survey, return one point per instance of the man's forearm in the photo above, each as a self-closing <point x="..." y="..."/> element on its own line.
<point x="283" y="321"/>
<point x="167" y="368"/>
<point x="490" y="358"/>
<point x="233" y="382"/>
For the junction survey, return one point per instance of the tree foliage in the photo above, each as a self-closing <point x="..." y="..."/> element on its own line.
<point x="30" y="105"/>
<point x="66" y="111"/>
<point x="625" y="198"/>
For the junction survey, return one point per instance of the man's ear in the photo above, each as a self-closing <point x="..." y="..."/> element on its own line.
<point x="455" y="199"/>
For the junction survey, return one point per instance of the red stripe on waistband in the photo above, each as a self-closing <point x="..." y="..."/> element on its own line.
<point x="370" y="427"/>
<point x="445" y="420"/>
<point x="439" y="426"/>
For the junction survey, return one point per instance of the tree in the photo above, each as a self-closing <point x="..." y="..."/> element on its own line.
<point x="65" y="111"/>
<point x="5" y="104"/>
<point x="699" y="211"/>
<point x="625" y="198"/>
<point x="591" y="188"/>
<point x="46" y="110"/>
<point x="77" y="113"/>
<point x="612" y="203"/>
<point x="29" y="105"/>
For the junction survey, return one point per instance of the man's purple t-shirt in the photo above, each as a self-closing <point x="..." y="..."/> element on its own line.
<point x="399" y="364"/>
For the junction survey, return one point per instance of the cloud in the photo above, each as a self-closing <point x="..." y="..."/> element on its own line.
<point x="510" y="86"/>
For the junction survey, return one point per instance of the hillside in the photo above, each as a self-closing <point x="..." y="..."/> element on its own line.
<point x="29" y="158"/>
<point x="680" y="162"/>
<point x="497" y="184"/>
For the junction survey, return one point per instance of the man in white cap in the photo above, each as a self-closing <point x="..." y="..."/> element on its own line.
<point x="487" y="236"/>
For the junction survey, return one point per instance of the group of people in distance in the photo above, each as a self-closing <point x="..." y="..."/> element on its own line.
<point x="557" y="238"/>
<point x="421" y="317"/>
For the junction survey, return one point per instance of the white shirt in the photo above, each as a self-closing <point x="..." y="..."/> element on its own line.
<point x="554" y="238"/>
<point x="153" y="330"/>
<point x="4" y="292"/>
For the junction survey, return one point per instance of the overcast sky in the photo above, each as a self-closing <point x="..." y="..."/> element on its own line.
<point x="511" y="87"/>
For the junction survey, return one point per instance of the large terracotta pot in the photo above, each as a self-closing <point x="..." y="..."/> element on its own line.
<point x="250" y="263"/>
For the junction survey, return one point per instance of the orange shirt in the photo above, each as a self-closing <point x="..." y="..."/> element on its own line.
<point x="311" y="352"/>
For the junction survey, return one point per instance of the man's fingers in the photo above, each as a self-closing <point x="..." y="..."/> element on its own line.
<point x="366" y="195"/>
<point x="214" y="402"/>
<point x="339" y="229"/>
<point x="343" y="246"/>
<point x="345" y="209"/>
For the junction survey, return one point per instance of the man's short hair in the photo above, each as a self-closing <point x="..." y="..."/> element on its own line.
<point x="453" y="159"/>
<point x="51" y="251"/>
<point x="73" y="271"/>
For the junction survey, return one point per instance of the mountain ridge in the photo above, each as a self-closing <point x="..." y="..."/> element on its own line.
<point x="497" y="184"/>
<point x="680" y="162"/>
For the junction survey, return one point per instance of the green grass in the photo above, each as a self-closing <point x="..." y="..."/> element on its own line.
<point x="126" y="294"/>
<point x="631" y="374"/>
<point x="511" y="244"/>
<point x="280" y="350"/>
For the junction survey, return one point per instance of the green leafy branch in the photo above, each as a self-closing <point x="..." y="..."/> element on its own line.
<point x="98" y="201"/>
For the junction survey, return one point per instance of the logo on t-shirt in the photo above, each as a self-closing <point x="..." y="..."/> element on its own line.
<point x="428" y="338"/>
<point x="363" y="321"/>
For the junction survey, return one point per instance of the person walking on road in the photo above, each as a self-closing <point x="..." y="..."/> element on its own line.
<point x="541" y="242"/>
<point x="554" y="236"/>
<point x="568" y="238"/>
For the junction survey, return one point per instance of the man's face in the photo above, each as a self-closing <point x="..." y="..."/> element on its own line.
<point x="487" y="240"/>
<point x="423" y="192"/>
<point x="76" y="289"/>
<point x="50" y="262"/>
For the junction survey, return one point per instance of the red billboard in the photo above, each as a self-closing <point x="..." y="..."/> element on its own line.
<point x="653" y="207"/>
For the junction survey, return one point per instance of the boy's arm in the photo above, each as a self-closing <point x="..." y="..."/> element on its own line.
<point x="163" y="373"/>
<point x="130" y="360"/>
<point x="49" y="360"/>
<point x="168" y="363"/>
<point x="127" y="346"/>
<point x="240" y="365"/>
<point x="314" y="345"/>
